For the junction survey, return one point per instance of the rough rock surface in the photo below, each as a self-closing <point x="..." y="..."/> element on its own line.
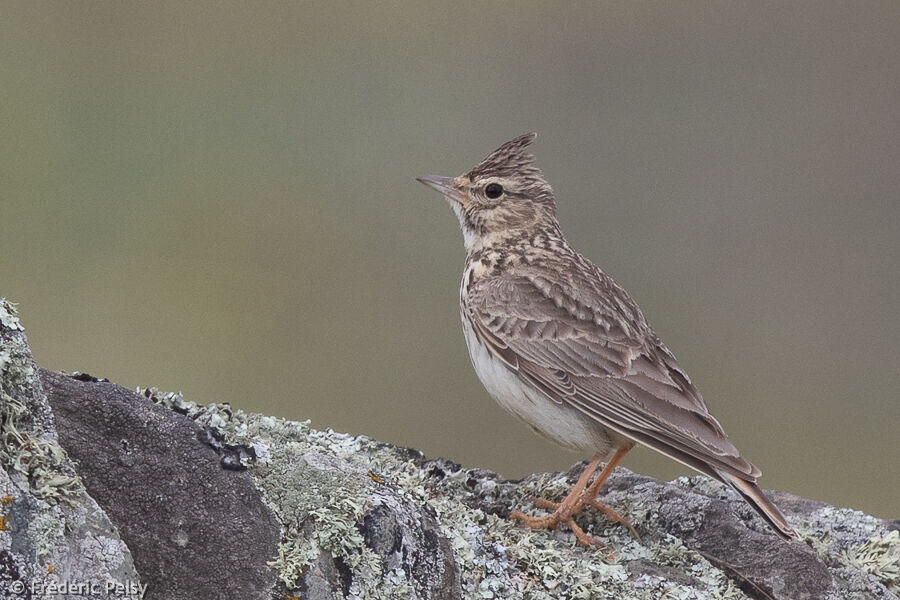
<point x="291" y="511"/>
<point x="196" y="530"/>
<point x="52" y="533"/>
<point x="697" y="539"/>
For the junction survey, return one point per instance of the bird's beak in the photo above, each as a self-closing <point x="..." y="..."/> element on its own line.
<point x="442" y="184"/>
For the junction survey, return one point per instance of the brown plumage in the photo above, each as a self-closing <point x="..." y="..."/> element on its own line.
<point x="558" y="343"/>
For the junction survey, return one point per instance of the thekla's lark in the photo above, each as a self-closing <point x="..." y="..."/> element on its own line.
<point x="559" y="344"/>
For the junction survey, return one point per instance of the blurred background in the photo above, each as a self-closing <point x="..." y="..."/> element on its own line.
<point x="219" y="199"/>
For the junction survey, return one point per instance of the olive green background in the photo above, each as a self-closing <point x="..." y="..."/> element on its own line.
<point x="219" y="198"/>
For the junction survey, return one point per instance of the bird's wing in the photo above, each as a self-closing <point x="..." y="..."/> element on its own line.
<point x="585" y="343"/>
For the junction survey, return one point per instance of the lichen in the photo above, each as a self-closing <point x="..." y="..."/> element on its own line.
<point x="9" y="316"/>
<point x="33" y="454"/>
<point x="319" y="511"/>
<point x="24" y="444"/>
<point x="321" y="484"/>
<point x="880" y="556"/>
<point x="294" y="557"/>
<point x="496" y="558"/>
<point x="45" y="529"/>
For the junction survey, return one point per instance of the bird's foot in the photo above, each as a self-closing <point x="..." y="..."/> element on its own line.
<point x="614" y="516"/>
<point x="560" y="515"/>
<point x="565" y="512"/>
<point x="580" y="496"/>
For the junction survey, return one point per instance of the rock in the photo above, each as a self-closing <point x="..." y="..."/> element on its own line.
<point x="215" y="502"/>
<point x="196" y="530"/>
<point x="52" y="533"/>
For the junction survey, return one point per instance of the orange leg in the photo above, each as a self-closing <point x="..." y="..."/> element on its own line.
<point x="575" y="501"/>
<point x="590" y="496"/>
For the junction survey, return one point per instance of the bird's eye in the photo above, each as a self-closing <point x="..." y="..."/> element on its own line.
<point x="493" y="190"/>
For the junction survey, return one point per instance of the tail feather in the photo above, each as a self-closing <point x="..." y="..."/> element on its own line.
<point x="758" y="500"/>
<point x="748" y="490"/>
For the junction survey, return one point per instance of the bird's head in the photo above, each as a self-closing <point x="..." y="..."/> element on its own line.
<point x="505" y="196"/>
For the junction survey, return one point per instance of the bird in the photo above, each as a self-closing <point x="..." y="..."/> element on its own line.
<point x="559" y="344"/>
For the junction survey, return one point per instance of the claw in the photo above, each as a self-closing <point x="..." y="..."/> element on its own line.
<point x="575" y="501"/>
<point x="614" y="517"/>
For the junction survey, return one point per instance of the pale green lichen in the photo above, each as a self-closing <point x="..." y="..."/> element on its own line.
<point x="30" y="452"/>
<point x="499" y="559"/>
<point x="880" y="556"/>
<point x="46" y="529"/>
<point x="24" y="445"/>
<point x="337" y="531"/>
<point x="294" y="557"/>
<point x="321" y="504"/>
<point x="9" y="317"/>
<point x="496" y="558"/>
<point x="304" y="498"/>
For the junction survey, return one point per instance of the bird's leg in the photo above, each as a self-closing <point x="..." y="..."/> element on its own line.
<point x="578" y="497"/>
<point x="566" y="509"/>
<point x="590" y="495"/>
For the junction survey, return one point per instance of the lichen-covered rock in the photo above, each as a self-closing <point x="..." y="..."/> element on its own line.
<point x="196" y="530"/>
<point x="357" y="514"/>
<point x="242" y="505"/>
<point x="346" y="530"/>
<point x="52" y="533"/>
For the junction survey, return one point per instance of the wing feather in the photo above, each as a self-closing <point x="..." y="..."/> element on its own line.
<point x="583" y="341"/>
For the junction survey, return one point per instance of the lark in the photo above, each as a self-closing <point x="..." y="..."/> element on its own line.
<point x="558" y="343"/>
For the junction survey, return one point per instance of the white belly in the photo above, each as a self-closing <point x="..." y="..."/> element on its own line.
<point x="561" y="423"/>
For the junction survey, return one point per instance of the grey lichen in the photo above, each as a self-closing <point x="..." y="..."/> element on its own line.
<point x="46" y="528"/>
<point x="35" y="455"/>
<point x="52" y="530"/>
<point x="9" y="316"/>
<point x="499" y="559"/>
<point x="52" y="543"/>
<point x="27" y="444"/>
<point x="880" y="556"/>
<point x="318" y="495"/>
<point x="323" y="484"/>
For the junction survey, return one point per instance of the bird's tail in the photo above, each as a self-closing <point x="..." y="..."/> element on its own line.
<point x="758" y="500"/>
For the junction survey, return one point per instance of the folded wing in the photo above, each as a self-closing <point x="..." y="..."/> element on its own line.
<point x="602" y="360"/>
<point x="579" y="337"/>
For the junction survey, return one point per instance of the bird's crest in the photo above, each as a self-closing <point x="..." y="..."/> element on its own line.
<point x="508" y="159"/>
